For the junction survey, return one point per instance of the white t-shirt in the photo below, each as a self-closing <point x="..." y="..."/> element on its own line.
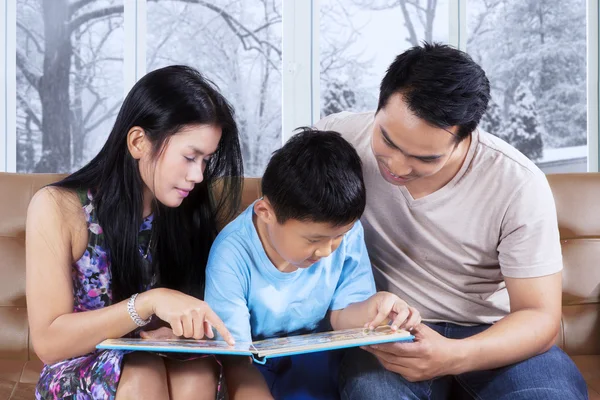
<point x="447" y="253"/>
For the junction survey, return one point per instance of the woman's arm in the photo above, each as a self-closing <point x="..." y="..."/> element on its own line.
<point x="55" y="233"/>
<point x="55" y="222"/>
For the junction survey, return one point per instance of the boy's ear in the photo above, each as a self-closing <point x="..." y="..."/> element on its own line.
<point x="264" y="210"/>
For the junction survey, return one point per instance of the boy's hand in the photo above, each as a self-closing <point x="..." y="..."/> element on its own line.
<point x="391" y="307"/>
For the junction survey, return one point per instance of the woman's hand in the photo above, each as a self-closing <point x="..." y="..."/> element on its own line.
<point x="162" y="333"/>
<point x="188" y="316"/>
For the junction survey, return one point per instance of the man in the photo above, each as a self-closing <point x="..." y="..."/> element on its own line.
<point x="463" y="227"/>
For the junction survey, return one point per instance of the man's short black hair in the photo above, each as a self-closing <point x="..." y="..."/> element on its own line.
<point x="316" y="176"/>
<point x="440" y="84"/>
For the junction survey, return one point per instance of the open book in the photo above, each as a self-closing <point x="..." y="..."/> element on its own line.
<point x="269" y="348"/>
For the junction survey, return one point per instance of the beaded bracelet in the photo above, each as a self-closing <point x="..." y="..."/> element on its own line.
<point x="133" y="314"/>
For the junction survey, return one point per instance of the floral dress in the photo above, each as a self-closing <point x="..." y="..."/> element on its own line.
<point x="94" y="375"/>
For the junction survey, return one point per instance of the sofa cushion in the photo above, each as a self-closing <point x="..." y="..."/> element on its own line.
<point x="590" y="369"/>
<point x="18" y="378"/>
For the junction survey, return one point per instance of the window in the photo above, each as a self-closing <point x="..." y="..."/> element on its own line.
<point x="360" y="39"/>
<point x="238" y="46"/>
<point x="69" y="81"/>
<point x="285" y="63"/>
<point x="534" y="53"/>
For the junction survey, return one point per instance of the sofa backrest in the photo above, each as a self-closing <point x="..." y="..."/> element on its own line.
<point x="16" y="191"/>
<point x="577" y="199"/>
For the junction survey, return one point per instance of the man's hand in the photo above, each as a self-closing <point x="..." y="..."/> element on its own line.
<point x="429" y="356"/>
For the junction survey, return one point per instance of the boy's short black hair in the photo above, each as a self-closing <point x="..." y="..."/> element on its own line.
<point x="440" y="84"/>
<point x="316" y="176"/>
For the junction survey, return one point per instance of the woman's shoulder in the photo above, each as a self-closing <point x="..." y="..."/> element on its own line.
<point x="55" y="204"/>
<point x="59" y="212"/>
<point x="53" y="197"/>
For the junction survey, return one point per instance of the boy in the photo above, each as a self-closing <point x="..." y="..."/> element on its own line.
<point x="295" y="259"/>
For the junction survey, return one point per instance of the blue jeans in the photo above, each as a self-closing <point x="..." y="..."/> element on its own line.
<point x="551" y="375"/>
<point x="303" y="377"/>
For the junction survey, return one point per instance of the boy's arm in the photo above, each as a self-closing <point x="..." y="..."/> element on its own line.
<point x="379" y="308"/>
<point x="351" y="305"/>
<point x="227" y="283"/>
<point x="356" y="315"/>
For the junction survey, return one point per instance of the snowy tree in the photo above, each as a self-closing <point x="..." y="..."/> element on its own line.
<point x="70" y="71"/>
<point x="540" y="42"/>
<point x="492" y="120"/>
<point x="343" y="67"/>
<point x="350" y="77"/>
<point x="524" y="131"/>
<point x="337" y="97"/>
<point x="67" y="78"/>
<point x="419" y="16"/>
<point x="244" y="62"/>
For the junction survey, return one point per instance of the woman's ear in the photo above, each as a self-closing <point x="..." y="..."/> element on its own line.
<point x="137" y="142"/>
<point x="264" y="210"/>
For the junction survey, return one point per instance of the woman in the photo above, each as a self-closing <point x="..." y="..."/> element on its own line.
<point x="127" y="237"/>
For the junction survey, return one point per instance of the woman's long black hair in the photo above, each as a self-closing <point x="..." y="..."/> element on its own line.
<point x="163" y="102"/>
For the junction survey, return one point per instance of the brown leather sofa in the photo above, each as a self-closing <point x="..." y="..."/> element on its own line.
<point x="578" y="206"/>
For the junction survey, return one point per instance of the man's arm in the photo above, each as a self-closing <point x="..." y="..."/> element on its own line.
<point x="530" y="260"/>
<point x="530" y="329"/>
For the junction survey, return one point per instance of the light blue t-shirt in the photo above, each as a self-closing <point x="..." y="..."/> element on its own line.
<point x="256" y="301"/>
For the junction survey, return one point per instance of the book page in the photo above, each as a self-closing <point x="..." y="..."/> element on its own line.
<point x="178" y="346"/>
<point x="329" y="341"/>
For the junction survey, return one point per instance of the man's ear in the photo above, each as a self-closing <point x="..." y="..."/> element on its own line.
<point x="264" y="210"/>
<point x="137" y="142"/>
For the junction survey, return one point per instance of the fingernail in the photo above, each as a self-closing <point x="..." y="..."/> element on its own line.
<point x="394" y="327"/>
